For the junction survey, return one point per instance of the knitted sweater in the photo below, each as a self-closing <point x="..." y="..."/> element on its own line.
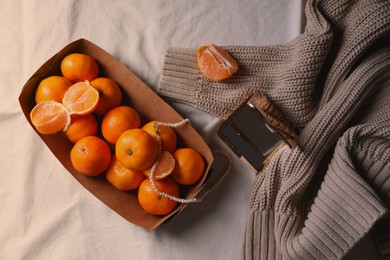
<point x="333" y="83"/>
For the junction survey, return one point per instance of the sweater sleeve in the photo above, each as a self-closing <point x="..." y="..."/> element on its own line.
<point x="352" y="198"/>
<point x="278" y="71"/>
<point x="286" y="73"/>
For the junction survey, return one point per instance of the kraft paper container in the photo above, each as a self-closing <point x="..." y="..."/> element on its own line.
<point x="150" y="107"/>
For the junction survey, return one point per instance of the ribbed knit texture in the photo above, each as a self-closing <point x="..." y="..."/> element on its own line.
<point x="333" y="82"/>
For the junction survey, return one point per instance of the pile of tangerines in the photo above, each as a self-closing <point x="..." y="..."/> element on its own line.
<point x="108" y="136"/>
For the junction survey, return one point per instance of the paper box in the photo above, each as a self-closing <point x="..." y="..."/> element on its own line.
<point x="137" y="95"/>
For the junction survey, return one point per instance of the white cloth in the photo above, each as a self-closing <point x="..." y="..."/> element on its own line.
<point x="45" y="213"/>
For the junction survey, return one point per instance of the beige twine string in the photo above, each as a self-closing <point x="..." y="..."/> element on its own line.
<point x="151" y="177"/>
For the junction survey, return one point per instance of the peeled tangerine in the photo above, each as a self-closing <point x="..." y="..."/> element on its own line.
<point x="81" y="98"/>
<point x="164" y="167"/>
<point x="215" y="63"/>
<point x="50" y="117"/>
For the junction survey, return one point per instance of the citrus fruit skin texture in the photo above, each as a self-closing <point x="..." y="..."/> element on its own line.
<point x="50" y="117"/>
<point x="79" y="67"/>
<point x="90" y="156"/>
<point x="136" y="149"/>
<point x="215" y="63"/>
<point x="110" y="95"/>
<point x="52" y="88"/>
<point x="164" y="167"/>
<point x="81" y="126"/>
<point x="189" y="166"/>
<point x="167" y="135"/>
<point x="152" y="202"/>
<point x="117" y="121"/>
<point x="121" y="177"/>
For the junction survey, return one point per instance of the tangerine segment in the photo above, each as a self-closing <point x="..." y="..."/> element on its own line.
<point x="167" y="135"/>
<point x="152" y="202"/>
<point x="90" y="156"/>
<point x="81" y="126"/>
<point x="79" y="67"/>
<point x="50" y="117"/>
<point x="110" y="95"/>
<point x="215" y="63"/>
<point x="81" y="98"/>
<point x="52" y="88"/>
<point x="121" y="177"/>
<point x="164" y="167"/>
<point x="189" y="166"/>
<point x="136" y="149"/>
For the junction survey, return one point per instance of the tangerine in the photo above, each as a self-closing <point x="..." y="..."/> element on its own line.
<point x="81" y="126"/>
<point x="118" y="120"/>
<point x="121" y="177"/>
<point x="79" y="67"/>
<point x="136" y="149"/>
<point x="50" y="117"/>
<point x="189" y="166"/>
<point x="152" y="202"/>
<point x="81" y="98"/>
<point x="90" y="156"/>
<point x="164" y="167"/>
<point x="215" y="63"/>
<point x="52" y="88"/>
<point x="167" y="135"/>
<point x="110" y="95"/>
